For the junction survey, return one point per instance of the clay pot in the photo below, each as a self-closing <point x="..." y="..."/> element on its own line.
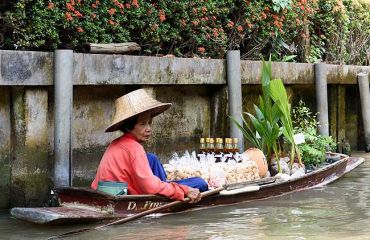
<point x="259" y="158"/>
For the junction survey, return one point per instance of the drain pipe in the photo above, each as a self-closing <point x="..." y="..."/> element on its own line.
<point x="235" y="94"/>
<point x="322" y="98"/>
<point x="363" y="84"/>
<point x="63" y="98"/>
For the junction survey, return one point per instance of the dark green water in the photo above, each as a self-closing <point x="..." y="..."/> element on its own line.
<point x="340" y="210"/>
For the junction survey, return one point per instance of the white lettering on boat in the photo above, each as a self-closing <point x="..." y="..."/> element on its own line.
<point x="147" y="205"/>
<point x="131" y="206"/>
<point x="150" y="204"/>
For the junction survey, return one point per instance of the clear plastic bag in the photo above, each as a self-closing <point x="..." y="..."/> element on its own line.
<point x="217" y="176"/>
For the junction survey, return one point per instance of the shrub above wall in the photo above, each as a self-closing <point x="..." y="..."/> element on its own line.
<point x="298" y="30"/>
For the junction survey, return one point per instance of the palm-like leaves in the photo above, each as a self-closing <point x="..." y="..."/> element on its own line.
<point x="280" y="97"/>
<point x="248" y="133"/>
<point x="271" y="119"/>
<point x="265" y="122"/>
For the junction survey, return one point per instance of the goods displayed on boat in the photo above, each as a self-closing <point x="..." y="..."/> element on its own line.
<point x="259" y="158"/>
<point x="218" y="164"/>
<point x="77" y="205"/>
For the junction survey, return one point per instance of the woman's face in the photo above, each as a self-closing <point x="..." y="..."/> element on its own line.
<point x="143" y="127"/>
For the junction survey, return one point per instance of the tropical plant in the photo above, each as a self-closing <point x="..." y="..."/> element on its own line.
<point x="280" y="97"/>
<point x="315" y="146"/>
<point x="272" y="119"/>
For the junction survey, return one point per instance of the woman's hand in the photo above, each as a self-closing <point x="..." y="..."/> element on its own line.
<point x="194" y="195"/>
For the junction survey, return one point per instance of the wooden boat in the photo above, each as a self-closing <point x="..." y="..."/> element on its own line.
<point x="79" y="205"/>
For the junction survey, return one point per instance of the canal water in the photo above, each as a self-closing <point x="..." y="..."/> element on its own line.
<point x="340" y="210"/>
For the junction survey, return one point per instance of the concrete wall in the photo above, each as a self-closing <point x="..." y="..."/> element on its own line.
<point x="5" y="150"/>
<point x="196" y="87"/>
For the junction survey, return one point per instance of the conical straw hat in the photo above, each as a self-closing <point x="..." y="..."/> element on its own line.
<point x="134" y="103"/>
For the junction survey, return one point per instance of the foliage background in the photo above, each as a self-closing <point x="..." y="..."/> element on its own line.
<point x="336" y="31"/>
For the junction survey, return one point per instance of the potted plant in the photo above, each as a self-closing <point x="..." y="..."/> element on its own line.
<point x="271" y="120"/>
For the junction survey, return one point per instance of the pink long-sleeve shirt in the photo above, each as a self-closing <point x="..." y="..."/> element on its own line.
<point x="125" y="160"/>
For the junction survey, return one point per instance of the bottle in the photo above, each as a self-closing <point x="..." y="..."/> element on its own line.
<point x="202" y="149"/>
<point x="235" y="146"/>
<point x="219" y="148"/>
<point x="211" y="146"/>
<point x="202" y="146"/>
<point x="206" y="149"/>
<point x="228" y="150"/>
<point x="211" y="150"/>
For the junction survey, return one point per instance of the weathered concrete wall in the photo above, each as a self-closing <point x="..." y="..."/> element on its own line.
<point x="21" y="68"/>
<point x="30" y="172"/>
<point x="196" y="87"/>
<point x="5" y="150"/>
<point x="115" y="69"/>
<point x="36" y="68"/>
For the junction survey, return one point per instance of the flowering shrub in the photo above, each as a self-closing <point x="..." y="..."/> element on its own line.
<point x="310" y="29"/>
<point x="341" y="31"/>
<point x="270" y="27"/>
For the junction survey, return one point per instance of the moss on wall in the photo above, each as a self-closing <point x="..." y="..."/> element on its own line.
<point x="31" y="189"/>
<point x="31" y="167"/>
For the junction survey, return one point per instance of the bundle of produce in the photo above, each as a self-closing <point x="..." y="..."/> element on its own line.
<point x="232" y="172"/>
<point x="256" y="155"/>
<point x="215" y="173"/>
<point x="241" y="172"/>
<point x="182" y="167"/>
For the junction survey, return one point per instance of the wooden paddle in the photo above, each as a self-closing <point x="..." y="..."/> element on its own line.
<point x="138" y="215"/>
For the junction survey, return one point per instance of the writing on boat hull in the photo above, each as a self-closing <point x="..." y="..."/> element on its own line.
<point x="132" y="205"/>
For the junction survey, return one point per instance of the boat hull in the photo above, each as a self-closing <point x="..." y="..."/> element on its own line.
<point x="86" y="205"/>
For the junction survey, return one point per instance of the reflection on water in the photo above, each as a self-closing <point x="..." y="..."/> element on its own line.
<point x="337" y="211"/>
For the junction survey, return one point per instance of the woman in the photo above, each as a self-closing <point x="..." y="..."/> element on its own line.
<point x="125" y="159"/>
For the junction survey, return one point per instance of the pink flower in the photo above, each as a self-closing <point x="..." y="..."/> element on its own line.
<point x="51" y="5"/>
<point x="112" y="11"/>
<point x="68" y="16"/>
<point x="118" y="4"/>
<point x="70" y="7"/>
<point x="201" y="49"/>
<point x="182" y="22"/>
<point x="135" y="3"/>
<point x="230" y="24"/>
<point x="195" y="22"/>
<point x="215" y="32"/>
<point x="162" y="15"/>
<point x="78" y="14"/>
<point x="111" y="22"/>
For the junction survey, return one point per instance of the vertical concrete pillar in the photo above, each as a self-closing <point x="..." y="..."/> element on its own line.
<point x="5" y="148"/>
<point x="63" y="100"/>
<point x="363" y="83"/>
<point x="333" y="111"/>
<point x="322" y="98"/>
<point x="341" y="115"/>
<point x="235" y="94"/>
